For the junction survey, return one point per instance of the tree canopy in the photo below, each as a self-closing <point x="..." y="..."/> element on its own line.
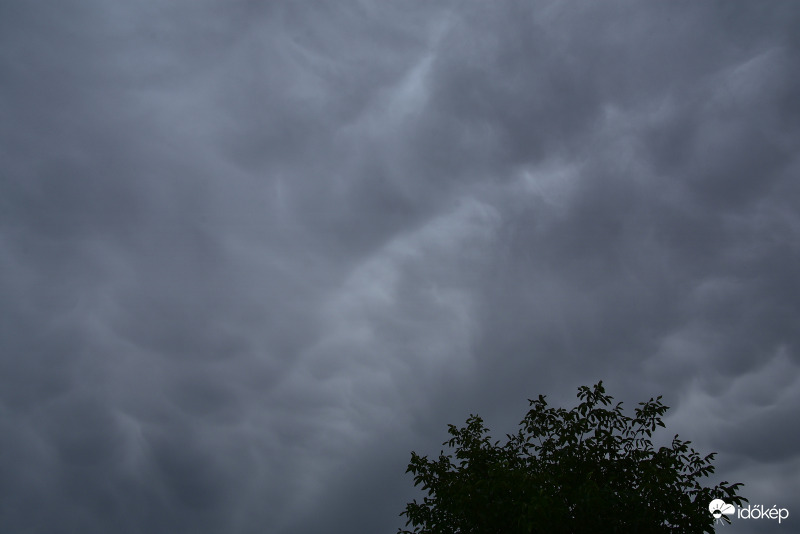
<point x="588" y="469"/>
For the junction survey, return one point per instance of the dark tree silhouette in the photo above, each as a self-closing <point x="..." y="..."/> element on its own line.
<point x="590" y="469"/>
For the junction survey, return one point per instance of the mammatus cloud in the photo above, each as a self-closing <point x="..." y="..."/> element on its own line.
<point x="251" y="256"/>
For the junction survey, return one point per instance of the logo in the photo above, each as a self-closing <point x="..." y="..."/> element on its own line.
<point x="721" y="510"/>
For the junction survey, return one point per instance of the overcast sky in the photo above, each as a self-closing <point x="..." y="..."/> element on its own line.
<point x="253" y="254"/>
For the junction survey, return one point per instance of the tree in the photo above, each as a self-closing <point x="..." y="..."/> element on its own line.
<point x="589" y="469"/>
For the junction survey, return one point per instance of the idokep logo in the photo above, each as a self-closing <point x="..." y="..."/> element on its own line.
<point x="723" y="511"/>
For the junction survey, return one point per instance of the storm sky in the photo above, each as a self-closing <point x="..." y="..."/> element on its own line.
<point x="252" y="254"/>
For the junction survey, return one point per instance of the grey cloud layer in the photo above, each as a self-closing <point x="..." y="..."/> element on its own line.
<point x="251" y="256"/>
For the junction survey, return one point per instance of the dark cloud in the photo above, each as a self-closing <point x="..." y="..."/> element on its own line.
<point x="253" y="255"/>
